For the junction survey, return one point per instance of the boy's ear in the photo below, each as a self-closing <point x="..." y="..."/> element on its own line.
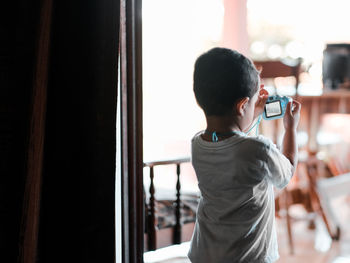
<point x="241" y="105"/>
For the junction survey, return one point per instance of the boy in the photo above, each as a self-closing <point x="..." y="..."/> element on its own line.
<point x="236" y="173"/>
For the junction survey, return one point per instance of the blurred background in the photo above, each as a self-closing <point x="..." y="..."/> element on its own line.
<point x="303" y="49"/>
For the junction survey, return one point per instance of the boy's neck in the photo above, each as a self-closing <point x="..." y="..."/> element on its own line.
<point x="222" y="124"/>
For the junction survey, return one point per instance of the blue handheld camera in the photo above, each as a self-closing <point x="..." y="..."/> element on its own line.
<point x="275" y="107"/>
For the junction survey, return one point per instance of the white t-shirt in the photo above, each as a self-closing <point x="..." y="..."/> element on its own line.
<point x="236" y="214"/>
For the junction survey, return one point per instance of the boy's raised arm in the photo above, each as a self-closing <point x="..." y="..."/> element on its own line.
<point x="290" y="122"/>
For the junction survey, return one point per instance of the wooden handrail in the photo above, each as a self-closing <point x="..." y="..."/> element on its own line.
<point x="167" y="162"/>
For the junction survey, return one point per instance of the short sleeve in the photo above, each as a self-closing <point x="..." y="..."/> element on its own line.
<point x="278" y="168"/>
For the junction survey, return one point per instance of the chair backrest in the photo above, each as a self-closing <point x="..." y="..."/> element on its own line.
<point x="276" y="68"/>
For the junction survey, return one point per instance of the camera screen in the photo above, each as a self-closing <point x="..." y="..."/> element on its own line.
<point x="273" y="109"/>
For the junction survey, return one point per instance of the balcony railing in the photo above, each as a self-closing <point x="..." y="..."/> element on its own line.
<point x="150" y="207"/>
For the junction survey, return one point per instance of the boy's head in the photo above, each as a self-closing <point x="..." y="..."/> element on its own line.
<point x="221" y="78"/>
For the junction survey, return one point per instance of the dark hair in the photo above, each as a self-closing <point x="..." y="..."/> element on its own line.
<point x="221" y="77"/>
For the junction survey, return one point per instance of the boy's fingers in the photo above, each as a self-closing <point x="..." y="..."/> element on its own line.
<point x="263" y="96"/>
<point x="297" y="106"/>
<point x="263" y="92"/>
<point x="289" y="107"/>
<point x="264" y="99"/>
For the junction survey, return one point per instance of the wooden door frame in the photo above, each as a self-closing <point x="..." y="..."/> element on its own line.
<point x="131" y="130"/>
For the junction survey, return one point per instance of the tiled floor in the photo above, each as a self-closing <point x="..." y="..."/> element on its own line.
<point x="311" y="246"/>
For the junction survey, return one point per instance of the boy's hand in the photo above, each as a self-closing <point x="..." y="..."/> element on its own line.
<point x="292" y="115"/>
<point x="260" y="103"/>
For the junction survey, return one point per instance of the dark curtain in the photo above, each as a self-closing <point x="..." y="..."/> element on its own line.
<point x="58" y="130"/>
<point x="18" y="31"/>
<point x="78" y="190"/>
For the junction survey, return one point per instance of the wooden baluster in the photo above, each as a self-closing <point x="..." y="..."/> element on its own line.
<point x="177" y="229"/>
<point x="152" y="240"/>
